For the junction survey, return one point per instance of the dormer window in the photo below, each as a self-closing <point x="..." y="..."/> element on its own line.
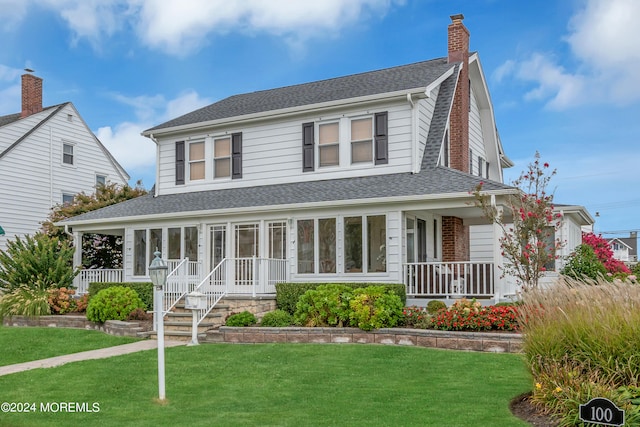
<point x="329" y="144"/>
<point x="361" y="140"/>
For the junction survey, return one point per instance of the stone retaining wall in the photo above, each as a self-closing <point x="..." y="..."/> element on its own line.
<point x="470" y="341"/>
<point x="112" y="327"/>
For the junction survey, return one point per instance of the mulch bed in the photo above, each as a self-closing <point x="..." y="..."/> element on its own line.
<point x="522" y="407"/>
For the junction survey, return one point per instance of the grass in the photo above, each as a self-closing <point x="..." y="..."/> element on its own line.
<point x="26" y="344"/>
<point x="279" y="385"/>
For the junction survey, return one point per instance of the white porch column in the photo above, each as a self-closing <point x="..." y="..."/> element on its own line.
<point x="501" y="284"/>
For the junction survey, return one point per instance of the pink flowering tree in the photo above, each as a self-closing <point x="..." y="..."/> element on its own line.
<point x="603" y="251"/>
<point x="529" y="226"/>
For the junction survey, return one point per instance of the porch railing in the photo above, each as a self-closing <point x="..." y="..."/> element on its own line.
<point x="449" y="279"/>
<point x="82" y="280"/>
<point x="183" y="277"/>
<point x="248" y="276"/>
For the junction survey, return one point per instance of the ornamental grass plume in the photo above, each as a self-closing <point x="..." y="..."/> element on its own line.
<point x="582" y="340"/>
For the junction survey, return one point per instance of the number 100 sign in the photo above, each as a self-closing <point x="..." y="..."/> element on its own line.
<point x="602" y="411"/>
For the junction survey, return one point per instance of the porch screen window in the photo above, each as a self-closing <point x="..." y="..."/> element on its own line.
<point x="277" y="240"/>
<point x="550" y="246"/>
<point x="222" y="158"/>
<point x="306" y="250"/>
<point x="196" y="161"/>
<point x="328" y="144"/>
<point x="139" y="252"/>
<point x="353" y="244"/>
<point x="327" y="245"/>
<point x="67" y="154"/>
<point x="361" y="140"/>
<point x="376" y="244"/>
<point x="175" y="235"/>
<point x="155" y="242"/>
<point x="247" y="240"/>
<point x="218" y="241"/>
<point x="191" y="243"/>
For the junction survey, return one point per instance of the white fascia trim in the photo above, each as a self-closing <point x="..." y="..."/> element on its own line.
<point x="401" y="94"/>
<point x="437" y="82"/>
<point x="465" y="196"/>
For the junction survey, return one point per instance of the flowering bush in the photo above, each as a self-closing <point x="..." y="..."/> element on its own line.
<point x="465" y="315"/>
<point x="416" y="317"/>
<point x="61" y="300"/>
<point x="604" y="253"/>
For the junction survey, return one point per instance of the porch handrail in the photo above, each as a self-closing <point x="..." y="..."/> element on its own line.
<point x="449" y="279"/>
<point x="177" y="285"/>
<point x="214" y="287"/>
<point x="86" y="276"/>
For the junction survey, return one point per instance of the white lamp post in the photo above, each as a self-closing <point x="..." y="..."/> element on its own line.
<point x="158" y="274"/>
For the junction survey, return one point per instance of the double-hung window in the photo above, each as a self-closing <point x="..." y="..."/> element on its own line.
<point x="222" y="158"/>
<point x="196" y="161"/>
<point x="362" y="140"/>
<point x="67" y="154"/>
<point x="101" y="180"/>
<point x="329" y="144"/>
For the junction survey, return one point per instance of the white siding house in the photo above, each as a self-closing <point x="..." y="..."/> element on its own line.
<point x="365" y="177"/>
<point x="47" y="155"/>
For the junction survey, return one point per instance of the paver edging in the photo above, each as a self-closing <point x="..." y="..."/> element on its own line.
<point x="111" y="327"/>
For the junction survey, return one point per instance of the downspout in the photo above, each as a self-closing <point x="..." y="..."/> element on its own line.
<point x="157" y="183"/>
<point x="51" y="167"/>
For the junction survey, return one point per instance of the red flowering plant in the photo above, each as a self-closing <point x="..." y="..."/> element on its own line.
<point x="416" y="317"/>
<point x="529" y="224"/>
<point x="470" y="315"/>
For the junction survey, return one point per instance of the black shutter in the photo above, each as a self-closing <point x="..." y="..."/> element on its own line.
<point x="236" y="155"/>
<point x="381" y="139"/>
<point x="180" y="163"/>
<point x="307" y="147"/>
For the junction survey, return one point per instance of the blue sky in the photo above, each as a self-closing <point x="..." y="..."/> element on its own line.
<point x="563" y="75"/>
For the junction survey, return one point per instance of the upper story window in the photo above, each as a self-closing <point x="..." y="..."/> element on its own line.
<point x="222" y="158"/>
<point x="361" y="140"/>
<point x="67" y="154"/>
<point x="329" y="144"/>
<point x="196" y="161"/>
<point x="366" y="138"/>
<point x="480" y="166"/>
<point x="67" y="199"/>
<point x="101" y="180"/>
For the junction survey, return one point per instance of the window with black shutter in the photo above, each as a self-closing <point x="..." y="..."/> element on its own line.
<point x="381" y="139"/>
<point x="236" y="155"/>
<point x="180" y="163"/>
<point x="307" y="147"/>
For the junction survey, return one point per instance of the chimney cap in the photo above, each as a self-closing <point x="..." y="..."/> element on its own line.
<point x="28" y="70"/>
<point x="458" y="17"/>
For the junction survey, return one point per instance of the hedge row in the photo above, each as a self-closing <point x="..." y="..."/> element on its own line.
<point x="288" y="294"/>
<point x="144" y="290"/>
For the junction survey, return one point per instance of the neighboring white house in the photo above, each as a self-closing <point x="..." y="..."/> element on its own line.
<point x="47" y="155"/>
<point x="365" y="177"/>
<point x="621" y="250"/>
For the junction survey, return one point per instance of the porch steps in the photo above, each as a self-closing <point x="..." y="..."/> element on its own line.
<point x="178" y="323"/>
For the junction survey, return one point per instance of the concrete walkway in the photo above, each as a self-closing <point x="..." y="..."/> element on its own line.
<point x="101" y="353"/>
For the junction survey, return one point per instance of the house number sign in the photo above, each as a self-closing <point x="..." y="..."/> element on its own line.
<point x="602" y="411"/>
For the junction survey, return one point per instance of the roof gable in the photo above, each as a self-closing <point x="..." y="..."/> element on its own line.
<point x="405" y="77"/>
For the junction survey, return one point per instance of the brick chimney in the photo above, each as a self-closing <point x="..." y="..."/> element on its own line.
<point x="458" y="51"/>
<point x="31" y="95"/>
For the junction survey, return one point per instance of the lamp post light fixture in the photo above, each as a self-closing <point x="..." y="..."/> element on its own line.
<point x="158" y="274"/>
<point x="195" y="301"/>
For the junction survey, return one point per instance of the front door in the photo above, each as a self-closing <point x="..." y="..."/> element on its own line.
<point x="246" y="252"/>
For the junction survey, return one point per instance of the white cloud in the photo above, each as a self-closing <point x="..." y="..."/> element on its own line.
<point x="12" y="12"/>
<point x="603" y="40"/>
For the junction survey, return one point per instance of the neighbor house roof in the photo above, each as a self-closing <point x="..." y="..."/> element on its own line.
<point x="404" y="77"/>
<point x="436" y="181"/>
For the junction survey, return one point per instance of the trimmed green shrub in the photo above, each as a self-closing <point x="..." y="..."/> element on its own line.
<point x="114" y="303"/>
<point x="37" y="262"/>
<point x="434" y="305"/>
<point x="327" y="305"/>
<point x="143" y="289"/>
<point x="288" y="294"/>
<point x="25" y="301"/>
<point x="277" y="319"/>
<point x="375" y="307"/>
<point x="584" y="263"/>
<point x="246" y="318"/>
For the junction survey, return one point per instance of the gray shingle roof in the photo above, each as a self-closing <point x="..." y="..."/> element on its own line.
<point x="5" y="120"/>
<point x="439" y="121"/>
<point x="437" y="180"/>
<point x="404" y="77"/>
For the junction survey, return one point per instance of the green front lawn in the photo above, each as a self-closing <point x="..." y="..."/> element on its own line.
<point x="19" y="345"/>
<point x="279" y="385"/>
